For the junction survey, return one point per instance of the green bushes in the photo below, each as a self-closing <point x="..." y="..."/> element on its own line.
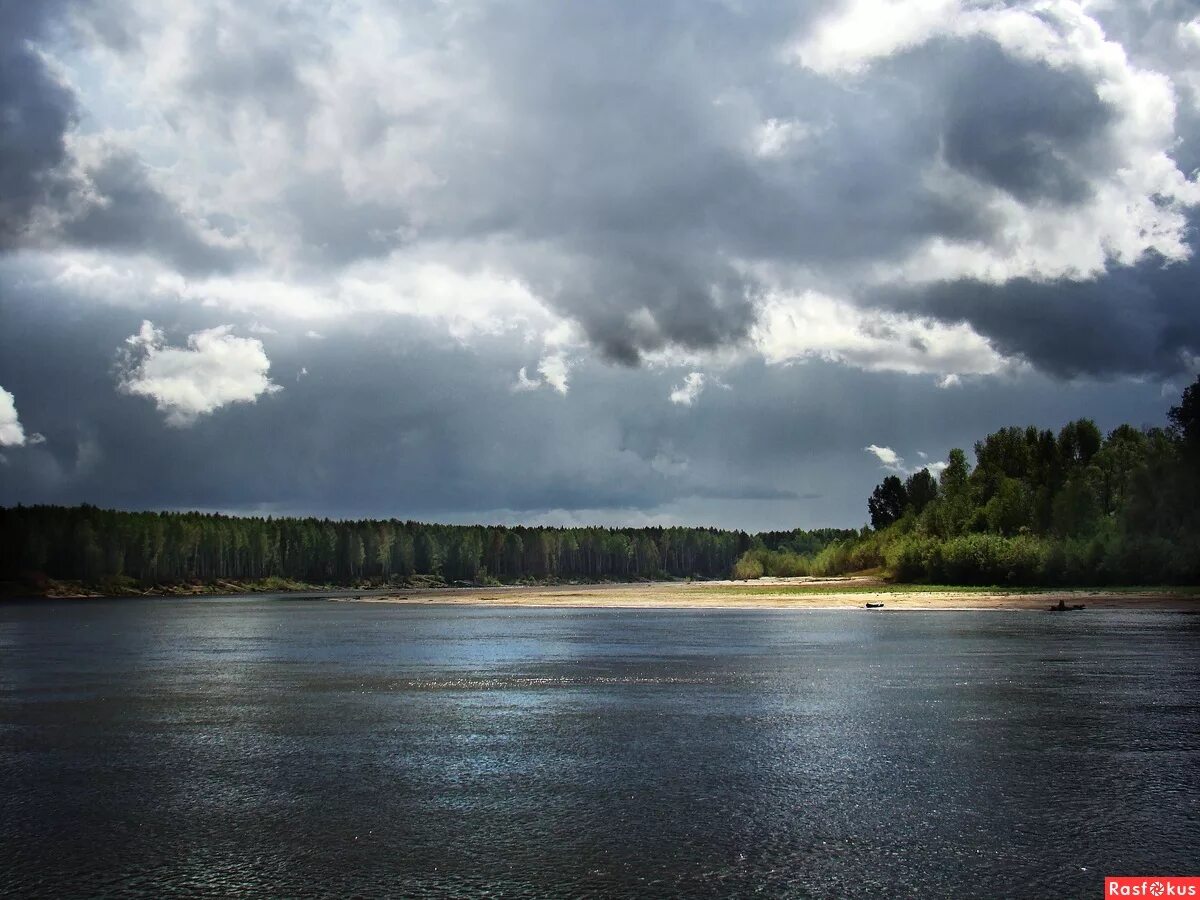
<point x="748" y="567"/>
<point x="1150" y="559"/>
<point x="991" y="559"/>
<point x="868" y="554"/>
<point x="783" y="564"/>
<point x="967" y="559"/>
<point x="836" y="558"/>
<point x="910" y="554"/>
<point x="832" y="560"/>
<point x="1107" y="557"/>
<point x="911" y="558"/>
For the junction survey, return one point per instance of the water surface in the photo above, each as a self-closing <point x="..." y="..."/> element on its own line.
<point x="205" y="746"/>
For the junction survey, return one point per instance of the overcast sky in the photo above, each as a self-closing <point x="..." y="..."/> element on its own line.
<point x="622" y="263"/>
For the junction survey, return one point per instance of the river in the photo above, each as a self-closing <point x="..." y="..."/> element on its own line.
<point x="273" y="746"/>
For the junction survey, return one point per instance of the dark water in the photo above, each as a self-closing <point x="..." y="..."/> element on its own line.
<point x="298" y="748"/>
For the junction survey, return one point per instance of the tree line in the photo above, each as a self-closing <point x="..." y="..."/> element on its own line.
<point x="90" y="544"/>
<point x="1071" y="507"/>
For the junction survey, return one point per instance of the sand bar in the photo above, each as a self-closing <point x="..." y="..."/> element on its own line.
<point x="792" y="593"/>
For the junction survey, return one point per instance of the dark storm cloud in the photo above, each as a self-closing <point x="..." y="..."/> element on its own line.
<point x="1040" y="133"/>
<point x="44" y="199"/>
<point x="694" y="303"/>
<point x="35" y="113"/>
<point x="1131" y="320"/>
<point x="610" y="148"/>
<point x="629" y="146"/>
<point x="1027" y="128"/>
<point x="338" y="229"/>
<point x="619" y="146"/>
<point x="124" y="211"/>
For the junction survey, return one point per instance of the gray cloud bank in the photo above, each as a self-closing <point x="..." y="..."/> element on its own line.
<point x="649" y="170"/>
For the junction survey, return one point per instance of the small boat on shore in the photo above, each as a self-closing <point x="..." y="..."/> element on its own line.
<point x="874" y="606"/>
<point x="1062" y="607"/>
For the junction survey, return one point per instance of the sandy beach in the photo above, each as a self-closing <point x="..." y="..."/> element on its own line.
<point x="792" y="593"/>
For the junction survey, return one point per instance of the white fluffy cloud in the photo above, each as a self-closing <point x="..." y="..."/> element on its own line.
<point x="892" y="461"/>
<point x="12" y="433"/>
<point x="524" y="382"/>
<point x="862" y="31"/>
<point x="888" y="458"/>
<point x="796" y="327"/>
<point x="1138" y="199"/>
<point x="216" y="368"/>
<point x="776" y="138"/>
<point x="553" y="371"/>
<point x="685" y="394"/>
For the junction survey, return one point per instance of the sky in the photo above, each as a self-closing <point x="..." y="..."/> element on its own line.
<point x="623" y="263"/>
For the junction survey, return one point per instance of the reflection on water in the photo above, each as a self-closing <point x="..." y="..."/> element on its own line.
<point x="207" y="746"/>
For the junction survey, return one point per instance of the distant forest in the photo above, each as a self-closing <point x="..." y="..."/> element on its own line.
<point x="1040" y="508"/>
<point x="94" y="545"/>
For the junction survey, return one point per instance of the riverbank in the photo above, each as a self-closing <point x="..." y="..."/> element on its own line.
<point x="795" y="593"/>
<point x="766" y="593"/>
<point x="60" y="589"/>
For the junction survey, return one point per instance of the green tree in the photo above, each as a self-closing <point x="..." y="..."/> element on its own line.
<point x="404" y="554"/>
<point x="1010" y="509"/>
<point x="953" y="480"/>
<point x="921" y="490"/>
<point x="1078" y="442"/>
<point x="887" y="502"/>
<point x="514" y="554"/>
<point x="1185" y="419"/>
<point x="428" y="553"/>
<point x="1076" y="508"/>
<point x="357" y="554"/>
<point x="385" y="542"/>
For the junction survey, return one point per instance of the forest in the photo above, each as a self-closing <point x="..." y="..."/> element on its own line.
<point x="114" y="549"/>
<point x="1039" y="508"/>
<point x="92" y="545"/>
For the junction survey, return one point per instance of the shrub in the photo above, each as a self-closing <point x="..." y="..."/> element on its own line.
<point x="1141" y="560"/>
<point x="867" y="554"/>
<point x="991" y="559"/>
<point x="908" y="558"/>
<point x="748" y="567"/>
<point x="783" y="564"/>
<point x="834" y="559"/>
<point x="1054" y="565"/>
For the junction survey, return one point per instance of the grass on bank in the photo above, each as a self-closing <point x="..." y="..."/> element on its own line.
<point x="818" y="588"/>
